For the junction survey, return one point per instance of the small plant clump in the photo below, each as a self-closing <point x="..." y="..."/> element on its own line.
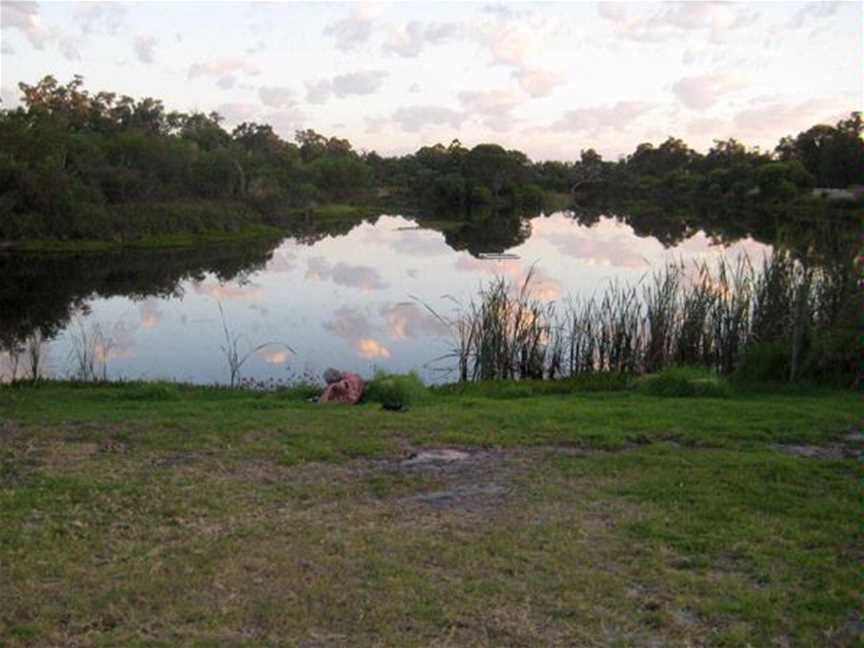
<point x="396" y="391"/>
<point x="684" y="382"/>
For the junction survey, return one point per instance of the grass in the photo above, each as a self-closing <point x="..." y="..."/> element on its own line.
<point x="338" y="211"/>
<point x="684" y="381"/>
<point x="164" y="514"/>
<point x="248" y="233"/>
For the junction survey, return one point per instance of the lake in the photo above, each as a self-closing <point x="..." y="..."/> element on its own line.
<point x="356" y="296"/>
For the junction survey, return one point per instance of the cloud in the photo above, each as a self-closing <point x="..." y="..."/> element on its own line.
<point x="364" y="278"/>
<point x="354" y="327"/>
<point x="614" y="11"/>
<point x="408" y="320"/>
<point x="494" y="267"/>
<point x="25" y="17"/>
<point x="70" y="47"/>
<point x="229" y="292"/>
<point x="349" y="323"/>
<point x="517" y="40"/>
<point x="236" y="113"/>
<point x="777" y="119"/>
<point x="225" y="70"/>
<point x="93" y="17"/>
<point x="9" y="97"/>
<point x="703" y="91"/>
<point x="719" y="20"/>
<point x="277" y="96"/>
<point x="495" y="106"/>
<point x="708" y="126"/>
<point x="285" y="122"/>
<point x="144" y="48"/>
<point x="118" y="344"/>
<point x="318" y="92"/>
<point x="358" y="83"/>
<point x="514" y="42"/>
<point x="151" y="314"/>
<point x="498" y="9"/>
<point x="608" y="243"/>
<point x="370" y="349"/>
<point x="412" y="119"/>
<point x="273" y="356"/>
<point x="537" y="82"/>
<point x="364" y="82"/>
<point x="543" y="286"/>
<point x="618" y="117"/>
<point x="283" y="260"/>
<point x="410" y="39"/>
<point x="220" y="68"/>
<point x="355" y="30"/>
<point x="420" y="243"/>
<point x="489" y="102"/>
<point x="812" y="12"/>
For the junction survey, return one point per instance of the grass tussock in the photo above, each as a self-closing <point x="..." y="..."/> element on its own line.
<point x="683" y="382"/>
<point x="396" y="391"/>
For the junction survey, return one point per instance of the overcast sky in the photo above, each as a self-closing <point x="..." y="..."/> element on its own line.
<point x="549" y="79"/>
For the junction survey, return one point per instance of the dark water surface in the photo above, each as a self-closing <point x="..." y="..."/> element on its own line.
<point x="352" y="299"/>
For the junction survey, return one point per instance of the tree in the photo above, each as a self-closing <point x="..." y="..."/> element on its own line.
<point x="834" y="155"/>
<point x="312" y="145"/>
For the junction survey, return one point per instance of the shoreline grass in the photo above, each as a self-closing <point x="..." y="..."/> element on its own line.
<point x="252" y="232"/>
<point x="168" y="514"/>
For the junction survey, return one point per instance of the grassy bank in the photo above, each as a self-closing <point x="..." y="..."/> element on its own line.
<point x="249" y="233"/>
<point x="174" y="224"/>
<point x="164" y="515"/>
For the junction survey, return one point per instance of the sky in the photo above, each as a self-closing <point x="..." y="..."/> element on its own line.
<point x="549" y="79"/>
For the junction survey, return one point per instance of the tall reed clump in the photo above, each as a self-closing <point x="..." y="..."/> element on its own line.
<point x="505" y="334"/>
<point x="707" y="315"/>
<point x="235" y="357"/>
<point x="90" y="349"/>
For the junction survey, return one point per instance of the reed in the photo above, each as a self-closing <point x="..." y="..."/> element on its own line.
<point x="34" y="349"/>
<point x="90" y="350"/>
<point x="235" y="356"/>
<point x="705" y="315"/>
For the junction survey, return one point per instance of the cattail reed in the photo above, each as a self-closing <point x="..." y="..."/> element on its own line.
<point x="698" y="315"/>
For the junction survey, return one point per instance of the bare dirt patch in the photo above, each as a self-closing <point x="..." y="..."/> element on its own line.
<point x="851" y="447"/>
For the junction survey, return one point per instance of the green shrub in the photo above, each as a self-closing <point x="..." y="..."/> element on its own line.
<point x="765" y="362"/>
<point x="396" y="390"/>
<point x="684" y="382"/>
<point x="834" y="357"/>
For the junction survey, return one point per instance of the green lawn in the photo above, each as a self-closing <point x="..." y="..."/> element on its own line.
<point x="164" y="515"/>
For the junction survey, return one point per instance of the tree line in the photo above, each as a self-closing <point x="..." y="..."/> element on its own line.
<point x="82" y="165"/>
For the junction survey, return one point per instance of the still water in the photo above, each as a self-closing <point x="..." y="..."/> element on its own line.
<point x="355" y="299"/>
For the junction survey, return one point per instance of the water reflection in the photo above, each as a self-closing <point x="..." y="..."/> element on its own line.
<point x="349" y="294"/>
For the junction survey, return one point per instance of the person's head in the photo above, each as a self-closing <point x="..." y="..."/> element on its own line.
<point x="332" y="375"/>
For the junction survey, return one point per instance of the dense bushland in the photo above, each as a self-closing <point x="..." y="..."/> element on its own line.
<point x="79" y="165"/>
